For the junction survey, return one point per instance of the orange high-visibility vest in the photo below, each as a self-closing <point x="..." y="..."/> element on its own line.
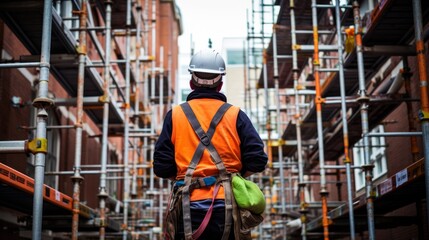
<point x="225" y="140"/>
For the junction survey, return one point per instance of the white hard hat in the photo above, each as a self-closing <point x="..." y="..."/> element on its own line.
<point x="207" y="68"/>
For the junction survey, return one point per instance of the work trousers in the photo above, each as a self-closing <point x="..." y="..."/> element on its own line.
<point x="214" y="229"/>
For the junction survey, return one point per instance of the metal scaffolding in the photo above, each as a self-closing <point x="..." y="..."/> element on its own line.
<point x="321" y="77"/>
<point x="108" y="42"/>
<point x="327" y="92"/>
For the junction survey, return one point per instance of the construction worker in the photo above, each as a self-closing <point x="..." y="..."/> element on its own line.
<point x="350" y="39"/>
<point x="235" y="140"/>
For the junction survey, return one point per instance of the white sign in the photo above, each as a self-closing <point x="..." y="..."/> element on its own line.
<point x="401" y="177"/>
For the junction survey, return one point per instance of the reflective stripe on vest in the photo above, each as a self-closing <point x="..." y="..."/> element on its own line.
<point x="225" y="140"/>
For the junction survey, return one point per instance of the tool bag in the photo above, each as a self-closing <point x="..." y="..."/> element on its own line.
<point x="179" y="203"/>
<point x="248" y="195"/>
<point x="174" y="213"/>
<point x="250" y="202"/>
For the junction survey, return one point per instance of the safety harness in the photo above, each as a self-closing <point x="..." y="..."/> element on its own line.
<point x="223" y="179"/>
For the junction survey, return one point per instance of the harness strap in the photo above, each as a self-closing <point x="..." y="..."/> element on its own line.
<point x="207" y="217"/>
<point x="198" y="182"/>
<point x="228" y="208"/>
<point x="205" y="142"/>
<point x="225" y="180"/>
<point x="236" y="217"/>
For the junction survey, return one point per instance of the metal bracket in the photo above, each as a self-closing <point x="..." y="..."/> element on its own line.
<point x="38" y="145"/>
<point x="423" y="115"/>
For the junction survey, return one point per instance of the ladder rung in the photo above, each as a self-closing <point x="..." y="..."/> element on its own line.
<point x="328" y="57"/>
<point x="328" y="70"/>
<point x="291" y="91"/>
<point x="311" y="31"/>
<point x="142" y="130"/>
<point x="311" y="47"/>
<point x="142" y="113"/>
<point x="284" y="56"/>
<point x="331" y="6"/>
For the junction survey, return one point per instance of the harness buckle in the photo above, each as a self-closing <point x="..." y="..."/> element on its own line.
<point x="205" y="140"/>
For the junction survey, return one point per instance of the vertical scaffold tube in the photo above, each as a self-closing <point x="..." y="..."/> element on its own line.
<point x="161" y="82"/>
<point x="424" y="100"/>
<point x="127" y="121"/>
<point x="267" y="103"/>
<point x="42" y="102"/>
<point x="146" y="48"/>
<point x="102" y="191"/>
<point x="246" y="77"/>
<point x="153" y="72"/>
<point x="303" y="205"/>
<point x="161" y="114"/>
<point x="265" y="79"/>
<point x="279" y="129"/>
<point x="136" y="158"/>
<point x="161" y="203"/>
<point x="346" y="146"/>
<point x="169" y="80"/>
<point x="318" y="101"/>
<point x="278" y="124"/>
<point x="268" y="127"/>
<point x="406" y="74"/>
<point x="146" y="88"/>
<point x="363" y="101"/>
<point x="77" y="178"/>
<point x="152" y="94"/>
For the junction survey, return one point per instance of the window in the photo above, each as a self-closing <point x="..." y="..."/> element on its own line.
<point x="112" y="184"/>
<point x="377" y="155"/>
<point x="255" y="59"/>
<point x="185" y="93"/>
<point x="235" y="57"/>
<point x="51" y="162"/>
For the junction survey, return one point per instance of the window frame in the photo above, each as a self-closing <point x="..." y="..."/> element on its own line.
<point x="377" y="154"/>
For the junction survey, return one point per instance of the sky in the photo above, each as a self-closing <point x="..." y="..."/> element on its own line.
<point x="214" y="19"/>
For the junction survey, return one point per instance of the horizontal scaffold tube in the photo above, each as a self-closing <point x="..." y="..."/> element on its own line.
<point x="13" y="146"/>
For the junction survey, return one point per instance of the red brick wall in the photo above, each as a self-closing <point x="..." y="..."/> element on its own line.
<point x="13" y="83"/>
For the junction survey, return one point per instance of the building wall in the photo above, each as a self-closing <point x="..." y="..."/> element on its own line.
<point x="234" y="86"/>
<point x="23" y="83"/>
<point x="14" y="83"/>
<point x="169" y="29"/>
